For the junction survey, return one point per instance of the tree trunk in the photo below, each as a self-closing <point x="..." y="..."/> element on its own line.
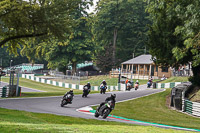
<point x="64" y="71"/>
<point x="73" y="68"/>
<point x="114" y="47"/>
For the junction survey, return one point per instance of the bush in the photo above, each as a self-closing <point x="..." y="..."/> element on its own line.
<point x="195" y="80"/>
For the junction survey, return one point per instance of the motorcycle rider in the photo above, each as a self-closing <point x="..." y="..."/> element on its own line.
<point x="112" y="97"/>
<point x="149" y="83"/>
<point x="88" y="86"/>
<point x="136" y="84"/>
<point x="104" y="86"/>
<point x="126" y="83"/>
<point x="104" y="83"/>
<point x="88" y="89"/>
<point x="70" y="92"/>
<point x="130" y="83"/>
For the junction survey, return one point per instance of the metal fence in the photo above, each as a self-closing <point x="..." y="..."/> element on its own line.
<point x="184" y="72"/>
<point x="72" y="78"/>
<point x="132" y="74"/>
<point x="70" y="85"/>
<point x="64" y="78"/>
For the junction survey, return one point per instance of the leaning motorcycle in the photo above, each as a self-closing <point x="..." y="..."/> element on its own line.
<point x="136" y="86"/>
<point x="128" y="86"/>
<point x="67" y="99"/>
<point x="85" y="91"/>
<point x="149" y="84"/>
<point x="105" y="109"/>
<point x="103" y="89"/>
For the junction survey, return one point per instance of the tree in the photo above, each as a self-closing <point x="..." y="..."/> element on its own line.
<point x="121" y="23"/>
<point x="104" y="59"/>
<point x="76" y="47"/>
<point x="21" y="20"/>
<point x="174" y="34"/>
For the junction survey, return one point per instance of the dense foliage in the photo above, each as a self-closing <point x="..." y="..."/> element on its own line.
<point x="174" y="34"/>
<point x="121" y="25"/>
<point x="21" y="20"/>
<point x="77" y="45"/>
<point x="63" y="33"/>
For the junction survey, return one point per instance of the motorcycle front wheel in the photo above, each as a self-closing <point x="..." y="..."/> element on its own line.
<point x="63" y="102"/>
<point x="104" y="91"/>
<point x="106" y="112"/>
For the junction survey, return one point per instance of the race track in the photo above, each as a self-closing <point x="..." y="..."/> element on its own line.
<point x="52" y="104"/>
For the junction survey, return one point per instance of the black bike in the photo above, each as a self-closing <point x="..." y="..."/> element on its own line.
<point x="105" y="109"/>
<point x="149" y="84"/>
<point x="67" y="99"/>
<point x="86" y="91"/>
<point x="103" y="89"/>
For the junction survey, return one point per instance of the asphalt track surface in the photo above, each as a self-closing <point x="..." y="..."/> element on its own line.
<point x="51" y="105"/>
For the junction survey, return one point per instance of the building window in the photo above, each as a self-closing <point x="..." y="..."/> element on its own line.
<point x="156" y="68"/>
<point x="124" y="66"/>
<point x="134" y="69"/>
<point x="164" y="69"/>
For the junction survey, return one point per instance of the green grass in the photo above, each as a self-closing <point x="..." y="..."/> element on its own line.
<point x="50" y="89"/>
<point x="21" y="122"/>
<point x="175" y="79"/>
<point x="153" y="109"/>
<point x="196" y="98"/>
<point x="96" y="81"/>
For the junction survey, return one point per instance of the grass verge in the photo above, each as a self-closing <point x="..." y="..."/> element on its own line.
<point x="50" y="89"/>
<point x="21" y="121"/>
<point x="175" y="79"/>
<point x="153" y="108"/>
<point x="96" y="81"/>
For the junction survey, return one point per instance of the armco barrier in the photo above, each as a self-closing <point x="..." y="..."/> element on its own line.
<point x="192" y="108"/>
<point x="167" y="85"/>
<point x="185" y="105"/>
<point x="68" y="85"/>
<point x="4" y="91"/>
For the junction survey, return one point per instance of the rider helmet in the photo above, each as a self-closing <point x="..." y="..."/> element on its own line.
<point x="113" y="95"/>
<point x="71" y="90"/>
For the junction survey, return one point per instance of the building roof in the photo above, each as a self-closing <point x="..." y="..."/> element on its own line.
<point x="142" y="59"/>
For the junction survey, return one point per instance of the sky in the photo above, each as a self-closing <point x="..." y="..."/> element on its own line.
<point x="93" y="7"/>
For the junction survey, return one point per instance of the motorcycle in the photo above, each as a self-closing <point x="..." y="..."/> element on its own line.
<point x="103" y="89"/>
<point x="128" y="86"/>
<point x="86" y="91"/>
<point x="149" y="84"/>
<point x="136" y="86"/>
<point x="66" y="100"/>
<point x="105" y="109"/>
